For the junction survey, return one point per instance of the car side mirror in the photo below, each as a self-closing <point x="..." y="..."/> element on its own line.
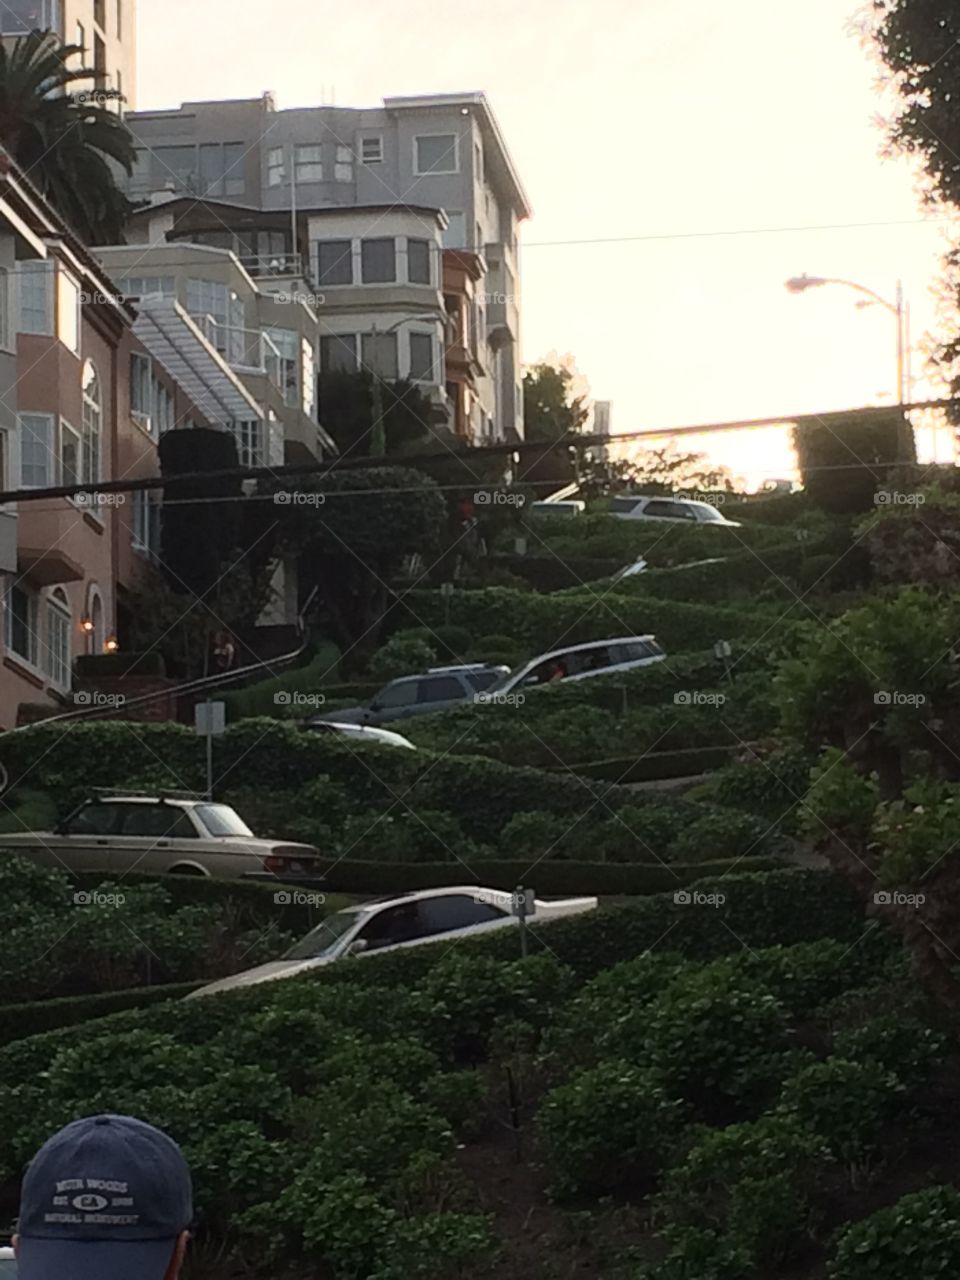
<point x="358" y="947"/>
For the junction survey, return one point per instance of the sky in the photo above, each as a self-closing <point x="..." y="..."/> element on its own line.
<point x="636" y="128"/>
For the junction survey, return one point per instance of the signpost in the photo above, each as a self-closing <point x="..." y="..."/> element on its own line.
<point x="210" y="719"/>
<point x="446" y="591"/>
<point x="523" y="904"/>
<point x="722" y="651"/>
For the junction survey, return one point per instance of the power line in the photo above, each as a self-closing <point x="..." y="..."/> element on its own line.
<point x="741" y="231"/>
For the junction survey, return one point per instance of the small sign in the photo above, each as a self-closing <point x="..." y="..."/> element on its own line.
<point x="722" y="649"/>
<point x="520" y="546"/>
<point x="523" y="902"/>
<point x="446" y="589"/>
<point x="210" y="719"/>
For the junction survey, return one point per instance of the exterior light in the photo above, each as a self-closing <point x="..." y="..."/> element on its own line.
<point x="86" y="624"/>
<point x="111" y="644"/>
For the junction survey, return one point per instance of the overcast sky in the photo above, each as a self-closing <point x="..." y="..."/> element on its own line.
<point x="631" y="118"/>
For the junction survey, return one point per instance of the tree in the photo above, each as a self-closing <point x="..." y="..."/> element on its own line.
<point x="665" y="470"/>
<point x="845" y="457"/>
<point x="554" y="414"/>
<point x="65" y="142"/>
<point x="346" y="410"/>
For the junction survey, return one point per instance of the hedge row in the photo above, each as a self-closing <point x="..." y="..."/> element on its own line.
<point x="682" y="763"/>
<point x="18" y="1021"/>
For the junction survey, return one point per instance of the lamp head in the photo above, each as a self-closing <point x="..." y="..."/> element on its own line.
<point x="797" y="284"/>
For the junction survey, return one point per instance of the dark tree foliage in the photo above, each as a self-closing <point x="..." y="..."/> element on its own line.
<point x="845" y="457"/>
<point x="346" y="411"/>
<point x="553" y="415"/>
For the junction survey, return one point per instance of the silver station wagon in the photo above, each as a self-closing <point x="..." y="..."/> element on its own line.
<point x="119" y="831"/>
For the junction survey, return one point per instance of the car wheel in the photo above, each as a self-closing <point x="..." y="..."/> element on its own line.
<point x="183" y="870"/>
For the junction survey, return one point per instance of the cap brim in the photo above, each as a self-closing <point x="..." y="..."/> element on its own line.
<point x="40" y="1259"/>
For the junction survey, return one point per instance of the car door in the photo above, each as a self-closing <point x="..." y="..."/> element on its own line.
<point x="85" y="841"/>
<point x="457" y="913"/>
<point x="152" y="837"/>
<point x="394" y="702"/>
<point x="661" y="509"/>
<point x="435" y="693"/>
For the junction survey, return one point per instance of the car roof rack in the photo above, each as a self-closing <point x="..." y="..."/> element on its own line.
<point x="159" y="793"/>
<point x="458" y="666"/>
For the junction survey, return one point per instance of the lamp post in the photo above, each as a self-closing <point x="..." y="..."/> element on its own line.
<point x="899" y="309"/>
<point x="378" y="435"/>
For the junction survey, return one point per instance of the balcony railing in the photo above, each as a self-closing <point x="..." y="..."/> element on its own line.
<point x="273" y="264"/>
<point x="249" y="350"/>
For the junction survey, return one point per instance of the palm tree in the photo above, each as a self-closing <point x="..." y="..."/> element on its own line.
<point x="65" y="141"/>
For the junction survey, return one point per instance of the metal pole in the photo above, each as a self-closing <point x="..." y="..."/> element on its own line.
<point x="522" y="919"/>
<point x="378" y="436"/>
<point x="901" y="365"/>
<point x="209" y="749"/>
<point x="294" y="246"/>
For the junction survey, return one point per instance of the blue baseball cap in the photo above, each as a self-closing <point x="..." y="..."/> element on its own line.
<point x="103" y="1199"/>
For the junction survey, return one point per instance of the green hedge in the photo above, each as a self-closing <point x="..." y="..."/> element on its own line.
<point x="18" y="1021"/>
<point x="259" y="699"/>
<point x="553" y="573"/>
<point x="684" y="762"/>
<point x="550" y="878"/>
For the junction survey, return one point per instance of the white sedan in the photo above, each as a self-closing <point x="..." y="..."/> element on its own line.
<point x="405" y="920"/>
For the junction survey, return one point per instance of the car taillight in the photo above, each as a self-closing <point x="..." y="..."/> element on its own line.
<point x="276" y="865"/>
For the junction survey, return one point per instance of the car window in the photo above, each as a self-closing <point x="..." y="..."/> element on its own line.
<point x="634" y="651"/>
<point x="392" y="925"/>
<point x="156" y="820"/>
<point x="709" y="514"/>
<point x="221" y="820"/>
<point x="440" y="689"/>
<point x="669" y="510"/>
<point x="456" y="911"/>
<point x="483" y="679"/>
<point x="95" y="819"/>
<point x="621" y="505"/>
<point x="401" y="694"/>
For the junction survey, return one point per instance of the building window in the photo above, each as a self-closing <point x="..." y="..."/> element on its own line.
<point x="287" y="342"/>
<point x="20" y="623"/>
<point x="338" y="353"/>
<point x="6" y="328"/>
<point x="92" y="425"/>
<point x="140" y="401"/>
<point x="149" y="287"/>
<point x="249" y="437"/>
<point x="378" y="261"/>
<point x="99" y="61"/>
<point x="145" y="530"/>
<point x="334" y="262"/>
<point x="421" y="358"/>
<point x="308" y="377"/>
<point x="36" y="450"/>
<point x="56" y="655"/>
<point x="343" y="169"/>
<point x="100" y="14"/>
<point x="221" y="169"/>
<point x="36" y="297"/>
<point x="478" y="155"/>
<point x="418" y="261"/>
<point x="163" y="408"/>
<point x="20" y="17"/>
<point x="436" y="153"/>
<point x="119" y="19"/>
<point x="478" y="238"/>
<point x="68" y="311"/>
<point x="71" y="454"/>
<point x="81" y="37"/>
<point x="276" y="167"/>
<point x="381" y="355"/>
<point x="453" y="237"/>
<point x="309" y="163"/>
<point x="371" y="150"/>
<point x="174" y="168"/>
<point x="208" y="300"/>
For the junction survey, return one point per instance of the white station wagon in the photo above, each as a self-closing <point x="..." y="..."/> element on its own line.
<point x="406" y="920"/>
<point x="579" y="662"/>
<point x="120" y="831"/>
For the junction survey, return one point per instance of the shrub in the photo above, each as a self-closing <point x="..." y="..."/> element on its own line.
<point x="720" y="834"/>
<point x="607" y="1125"/>
<point x="537" y="835"/>
<point x="809" y="974"/>
<point x="918" y="1236"/>
<point x="906" y="1047"/>
<point x="846" y="1103"/>
<point x="402" y="655"/>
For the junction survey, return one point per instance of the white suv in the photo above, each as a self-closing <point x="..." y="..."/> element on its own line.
<point x="679" y="510"/>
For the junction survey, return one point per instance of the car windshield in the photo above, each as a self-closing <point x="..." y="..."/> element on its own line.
<point x="709" y="514"/>
<point x="325" y="937"/>
<point x="623" y="504"/>
<point x="221" y="820"/>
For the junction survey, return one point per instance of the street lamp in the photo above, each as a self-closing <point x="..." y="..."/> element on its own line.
<point x="378" y="434"/>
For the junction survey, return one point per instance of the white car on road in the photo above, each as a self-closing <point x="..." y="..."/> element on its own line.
<point x="578" y="662"/>
<point x="679" y="510"/>
<point x="405" y="920"/>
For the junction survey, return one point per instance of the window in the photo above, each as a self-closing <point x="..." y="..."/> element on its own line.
<point x="119" y="19"/>
<point x="92" y="424"/>
<point x="309" y="163"/>
<point x="99" y="61"/>
<point x="669" y="510"/>
<point x="402" y="693"/>
<point x="22" y="608"/>
<point x="36" y="297"/>
<point x="392" y="925"/>
<point x="453" y="237"/>
<point x="208" y="298"/>
<point x="381" y="356"/>
<point x="456" y="911"/>
<point x="96" y="819"/>
<point x="140" y="400"/>
<point x="221" y="168"/>
<point x="478" y="240"/>
<point x="478" y="159"/>
<point x="100" y="14"/>
<point x="68" y="311"/>
<point x="276" y="168"/>
<point x="71" y="454"/>
<point x="81" y="37"/>
<point x="20" y="17"/>
<point x="440" y="689"/>
<point x="436" y="153"/>
<point x="343" y="169"/>
<point x="335" y="262"/>
<point x="149" y="287"/>
<point x="418" y="261"/>
<point x="6" y="328"/>
<point x="157" y="821"/>
<point x="174" y="167"/>
<point x="421" y="357"/>
<point x="56" y="656"/>
<point x="36" y="450"/>
<point x="338" y="353"/>
<point x="287" y="342"/>
<point x="163" y="411"/>
<point x="378" y="261"/>
<point x="308" y="377"/>
<point x="371" y="150"/>
<point x="145" y="530"/>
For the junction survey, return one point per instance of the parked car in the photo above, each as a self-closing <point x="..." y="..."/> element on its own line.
<point x="681" y="510"/>
<point x="359" y="733"/>
<point x="8" y="1264"/>
<point x="405" y="920"/>
<point x="120" y="831"/>
<point x="432" y="690"/>
<point x="579" y="662"/>
<point x="566" y="507"/>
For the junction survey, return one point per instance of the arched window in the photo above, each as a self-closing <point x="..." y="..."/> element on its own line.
<point x="92" y="424"/>
<point x="98" y="634"/>
<point x="57" y="656"/>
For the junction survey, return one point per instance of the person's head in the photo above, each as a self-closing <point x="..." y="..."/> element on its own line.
<point x="105" y="1198"/>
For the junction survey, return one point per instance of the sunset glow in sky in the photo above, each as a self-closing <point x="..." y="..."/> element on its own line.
<point x="636" y="126"/>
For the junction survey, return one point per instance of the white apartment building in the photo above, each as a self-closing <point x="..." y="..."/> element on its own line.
<point x="106" y="29"/>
